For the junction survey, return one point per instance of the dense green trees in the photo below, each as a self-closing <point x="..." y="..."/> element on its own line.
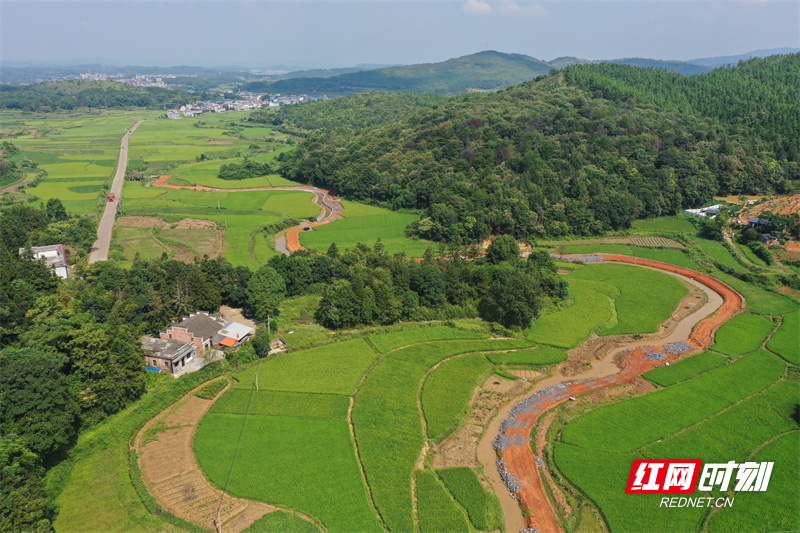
<point x="24" y="506"/>
<point x="551" y="157"/>
<point x="265" y="292"/>
<point x="72" y="94"/>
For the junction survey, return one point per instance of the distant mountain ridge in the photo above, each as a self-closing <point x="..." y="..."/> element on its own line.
<point x="732" y="60"/>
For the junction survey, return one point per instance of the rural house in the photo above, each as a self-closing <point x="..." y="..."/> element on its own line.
<point x="203" y="330"/>
<point x="197" y="329"/>
<point x="54" y="256"/>
<point x="167" y="355"/>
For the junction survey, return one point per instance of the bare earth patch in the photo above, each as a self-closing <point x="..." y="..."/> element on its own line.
<point x="141" y="222"/>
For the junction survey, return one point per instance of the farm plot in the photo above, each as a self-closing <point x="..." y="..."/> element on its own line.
<point x="757" y="299"/>
<point x="448" y="390"/>
<point x="722" y="435"/>
<point x="387" y="422"/>
<point x="279" y="403"/>
<point x="366" y="224"/>
<point x="786" y="341"/>
<point x="483" y="509"/>
<point x="280" y="522"/>
<point x="720" y="254"/>
<point x="655" y="242"/>
<point x="685" y="369"/>
<point x="542" y="355"/>
<point x="674" y="257"/>
<point x="646" y="298"/>
<point x="742" y="334"/>
<point x="629" y="425"/>
<point x="308" y="464"/>
<point x="568" y="327"/>
<point x="775" y="509"/>
<point x="437" y="511"/>
<point x="386" y="342"/>
<point x="332" y="369"/>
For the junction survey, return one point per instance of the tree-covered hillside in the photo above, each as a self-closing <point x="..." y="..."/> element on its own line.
<point x="542" y="159"/>
<point x="482" y="71"/>
<point x="758" y="98"/>
<point x="72" y="94"/>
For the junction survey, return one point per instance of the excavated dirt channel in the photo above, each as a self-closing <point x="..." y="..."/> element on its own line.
<point x="612" y="369"/>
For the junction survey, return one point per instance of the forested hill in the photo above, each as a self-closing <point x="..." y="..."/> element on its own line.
<point x="482" y="71"/>
<point x="544" y="158"/>
<point x="758" y="98"/>
<point x="72" y="94"/>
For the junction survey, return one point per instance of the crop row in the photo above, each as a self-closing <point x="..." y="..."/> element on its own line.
<point x="543" y="355"/>
<point x="307" y="464"/>
<point x="448" y="390"/>
<point x="334" y="369"/>
<point x="742" y="334"/>
<point x="629" y="425"/>
<point x="436" y="509"/>
<point x="786" y="341"/>
<point x="387" y="422"/>
<point x="483" y="508"/>
<point x="385" y="342"/>
<point x="280" y="403"/>
<point x="685" y="369"/>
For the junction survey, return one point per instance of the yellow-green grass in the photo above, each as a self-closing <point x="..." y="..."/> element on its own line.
<point x="297" y="316"/>
<point x="366" y="224"/>
<point x="140" y="240"/>
<point x="567" y="327"/>
<point x="541" y="355"/>
<point x="437" y="511"/>
<point x="447" y="391"/>
<point x="750" y="255"/>
<point x="280" y="403"/>
<point x="776" y="508"/>
<point x="307" y="464"/>
<point x="742" y="334"/>
<point x="685" y="369"/>
<point x="720" y="254"/>
<point x="137" y="190"/>
<point x="388" y="426"/>
<point x="629" y="425"/>
<point x="674" y="257"/>
<point x="200" y="241"/>
<point x="483" y="508"/>
<point x="757" y="299"/>
<point x="335" y="369"/>
<point x="281" y="522"/>
<point x="765" y="410"/>
<point x="385" y="342"/>
<point x="786" y="340"/>
<point x="98" y="469"/>
<point x="647" y="297"/>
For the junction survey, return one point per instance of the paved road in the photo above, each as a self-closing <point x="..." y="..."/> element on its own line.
<point x="103" y="242"/>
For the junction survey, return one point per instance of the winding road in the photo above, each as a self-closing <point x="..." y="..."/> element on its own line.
<point x="287" y="241"/>
<point x="104" y="230"/>
<point x="696" y="330"/>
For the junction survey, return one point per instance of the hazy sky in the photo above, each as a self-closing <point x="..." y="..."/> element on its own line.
<point x="336" y="33"/>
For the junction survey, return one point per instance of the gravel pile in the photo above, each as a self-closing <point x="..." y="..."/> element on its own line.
<point x="511" y="481"/>
<point x="502" y="441"/>
<point x="655" y="356"/>
<point x="511" y="423"/>
<point x="677" y="348"/>
<point x="529" y="530"/>
<point x="539" y="461"/>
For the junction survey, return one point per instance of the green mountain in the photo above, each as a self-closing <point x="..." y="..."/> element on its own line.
<point x="484" y="71"/>
<point x="681" y="67"/>
<point x="581" y="151"/>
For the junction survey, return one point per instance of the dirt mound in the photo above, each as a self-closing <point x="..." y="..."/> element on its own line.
<point x="783" y="205"/>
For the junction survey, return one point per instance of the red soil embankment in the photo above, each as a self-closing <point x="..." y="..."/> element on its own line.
<point x="520" y="459"/>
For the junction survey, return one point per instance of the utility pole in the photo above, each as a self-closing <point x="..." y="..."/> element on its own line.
<point x="269" y="325"/>
<point x="256" y="380"/>
<point x="217" y="204"/>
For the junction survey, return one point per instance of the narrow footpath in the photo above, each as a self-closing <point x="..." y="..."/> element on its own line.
<point x="513" y="425"/>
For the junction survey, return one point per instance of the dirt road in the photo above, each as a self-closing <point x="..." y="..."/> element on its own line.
<point x="103" y="242"/>
<point x="697" y="330"/>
